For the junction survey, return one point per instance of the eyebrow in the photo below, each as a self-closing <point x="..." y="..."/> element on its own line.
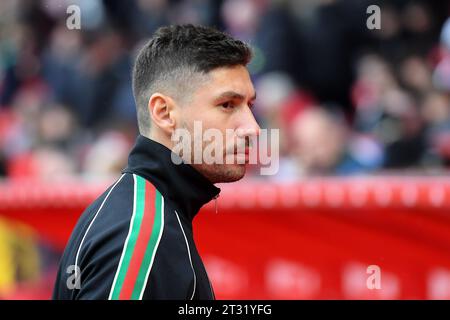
<point x="234" y="95"/>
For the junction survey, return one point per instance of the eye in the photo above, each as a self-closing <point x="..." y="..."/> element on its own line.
<point x="227" y="105"/>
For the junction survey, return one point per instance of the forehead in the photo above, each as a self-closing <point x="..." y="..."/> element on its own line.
<point x="227" y="79"/>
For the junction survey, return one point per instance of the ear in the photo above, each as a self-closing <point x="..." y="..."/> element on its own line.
<point x="161" y="108"/>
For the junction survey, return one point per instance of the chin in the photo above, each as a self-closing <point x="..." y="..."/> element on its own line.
<point x="237" y="172"/>
<point x="223" y="173"/>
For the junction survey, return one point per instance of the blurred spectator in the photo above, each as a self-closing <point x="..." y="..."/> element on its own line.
<point x="401" y="130"/>
<point x="324" y="145"/>
<point x="107" y="156"/>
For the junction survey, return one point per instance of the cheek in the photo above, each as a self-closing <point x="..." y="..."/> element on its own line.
<point x="187" y="115"/>
<point x="197" y="112"/>
<point x="209" y="118"/>
<point x="214" y="118"/>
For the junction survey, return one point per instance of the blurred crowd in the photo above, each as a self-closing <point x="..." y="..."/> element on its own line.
<point x="347" y="100"/>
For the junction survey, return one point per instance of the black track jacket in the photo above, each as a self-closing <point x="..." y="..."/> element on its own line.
<point x="135" y="241"/>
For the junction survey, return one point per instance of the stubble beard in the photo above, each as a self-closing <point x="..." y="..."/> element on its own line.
<point x="216" y="172"/>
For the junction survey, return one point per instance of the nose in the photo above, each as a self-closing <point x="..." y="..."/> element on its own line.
<point x="248" y="125"/>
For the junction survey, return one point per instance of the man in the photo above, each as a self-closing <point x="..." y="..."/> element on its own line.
<point x="136" y="240"/>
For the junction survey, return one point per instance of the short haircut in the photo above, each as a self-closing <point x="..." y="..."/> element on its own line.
<point x="170" y="60"/>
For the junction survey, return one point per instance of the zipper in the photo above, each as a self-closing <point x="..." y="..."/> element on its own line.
<point x="215" y="203"/>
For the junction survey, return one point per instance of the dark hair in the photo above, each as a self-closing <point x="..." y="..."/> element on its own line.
<point x="174" y="54"/>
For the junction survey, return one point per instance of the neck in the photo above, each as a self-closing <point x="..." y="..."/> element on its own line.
<point x="160" y="138"/>
<point x="182" y="182"/>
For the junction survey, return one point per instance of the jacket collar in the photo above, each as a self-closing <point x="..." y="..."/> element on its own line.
<point x="187" y="187"/>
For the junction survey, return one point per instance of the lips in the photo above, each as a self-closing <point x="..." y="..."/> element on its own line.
<point x="246" y="151"/>
<point x="244" y="154"/>
<point x="238" y="150"/>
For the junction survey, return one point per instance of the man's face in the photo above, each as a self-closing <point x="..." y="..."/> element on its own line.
<point x="222" y="102"/>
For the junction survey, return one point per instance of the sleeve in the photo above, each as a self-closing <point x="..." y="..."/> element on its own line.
<point x="119" y="267"/>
